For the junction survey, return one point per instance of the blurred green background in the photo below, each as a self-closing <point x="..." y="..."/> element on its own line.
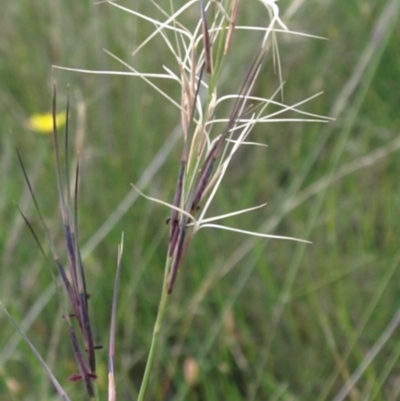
<point x="262" y="320"/>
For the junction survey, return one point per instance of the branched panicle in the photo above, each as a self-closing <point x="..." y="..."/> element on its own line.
<point x="205" y="174"/>
<point x="74" y="281"/>
<point x="194" y="195"/>
<point x="77" y="292"/>
<point x="176" y="217"/>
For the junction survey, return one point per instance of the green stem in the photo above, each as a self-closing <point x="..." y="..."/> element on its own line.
<point x="156" y="332"/>
<point x="96" y="392"/>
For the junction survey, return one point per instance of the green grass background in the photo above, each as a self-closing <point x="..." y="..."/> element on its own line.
<point x="264" y="320"/>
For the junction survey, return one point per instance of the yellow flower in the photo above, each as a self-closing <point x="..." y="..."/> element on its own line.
<point x="43" y="123"/>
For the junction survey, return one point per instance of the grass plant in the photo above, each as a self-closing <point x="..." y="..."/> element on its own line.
<point x="227" y="310"/>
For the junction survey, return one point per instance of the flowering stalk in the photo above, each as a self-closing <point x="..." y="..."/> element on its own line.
<point x="206" y="154"/>
<point x="73" y="279"/>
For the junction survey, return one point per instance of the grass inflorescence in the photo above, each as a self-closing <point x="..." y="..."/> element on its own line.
<point x="73" y="279"/>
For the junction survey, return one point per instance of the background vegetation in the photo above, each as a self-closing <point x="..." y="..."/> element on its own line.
<point x="262" y="320"/>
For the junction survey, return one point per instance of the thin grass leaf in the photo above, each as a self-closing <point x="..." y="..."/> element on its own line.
<point x="203" y="221"/>
<point x="112" y="393"/>
<point x="52" y="248"/>
<point x="53" y="379"/>
<point x="161" y="202"/>
<point x="252" y="233"/>
<point x="232" y="25"/>
<point x="206" y="38"/>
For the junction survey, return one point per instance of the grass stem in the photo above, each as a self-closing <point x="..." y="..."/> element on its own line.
<point x="162" y="307"/>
